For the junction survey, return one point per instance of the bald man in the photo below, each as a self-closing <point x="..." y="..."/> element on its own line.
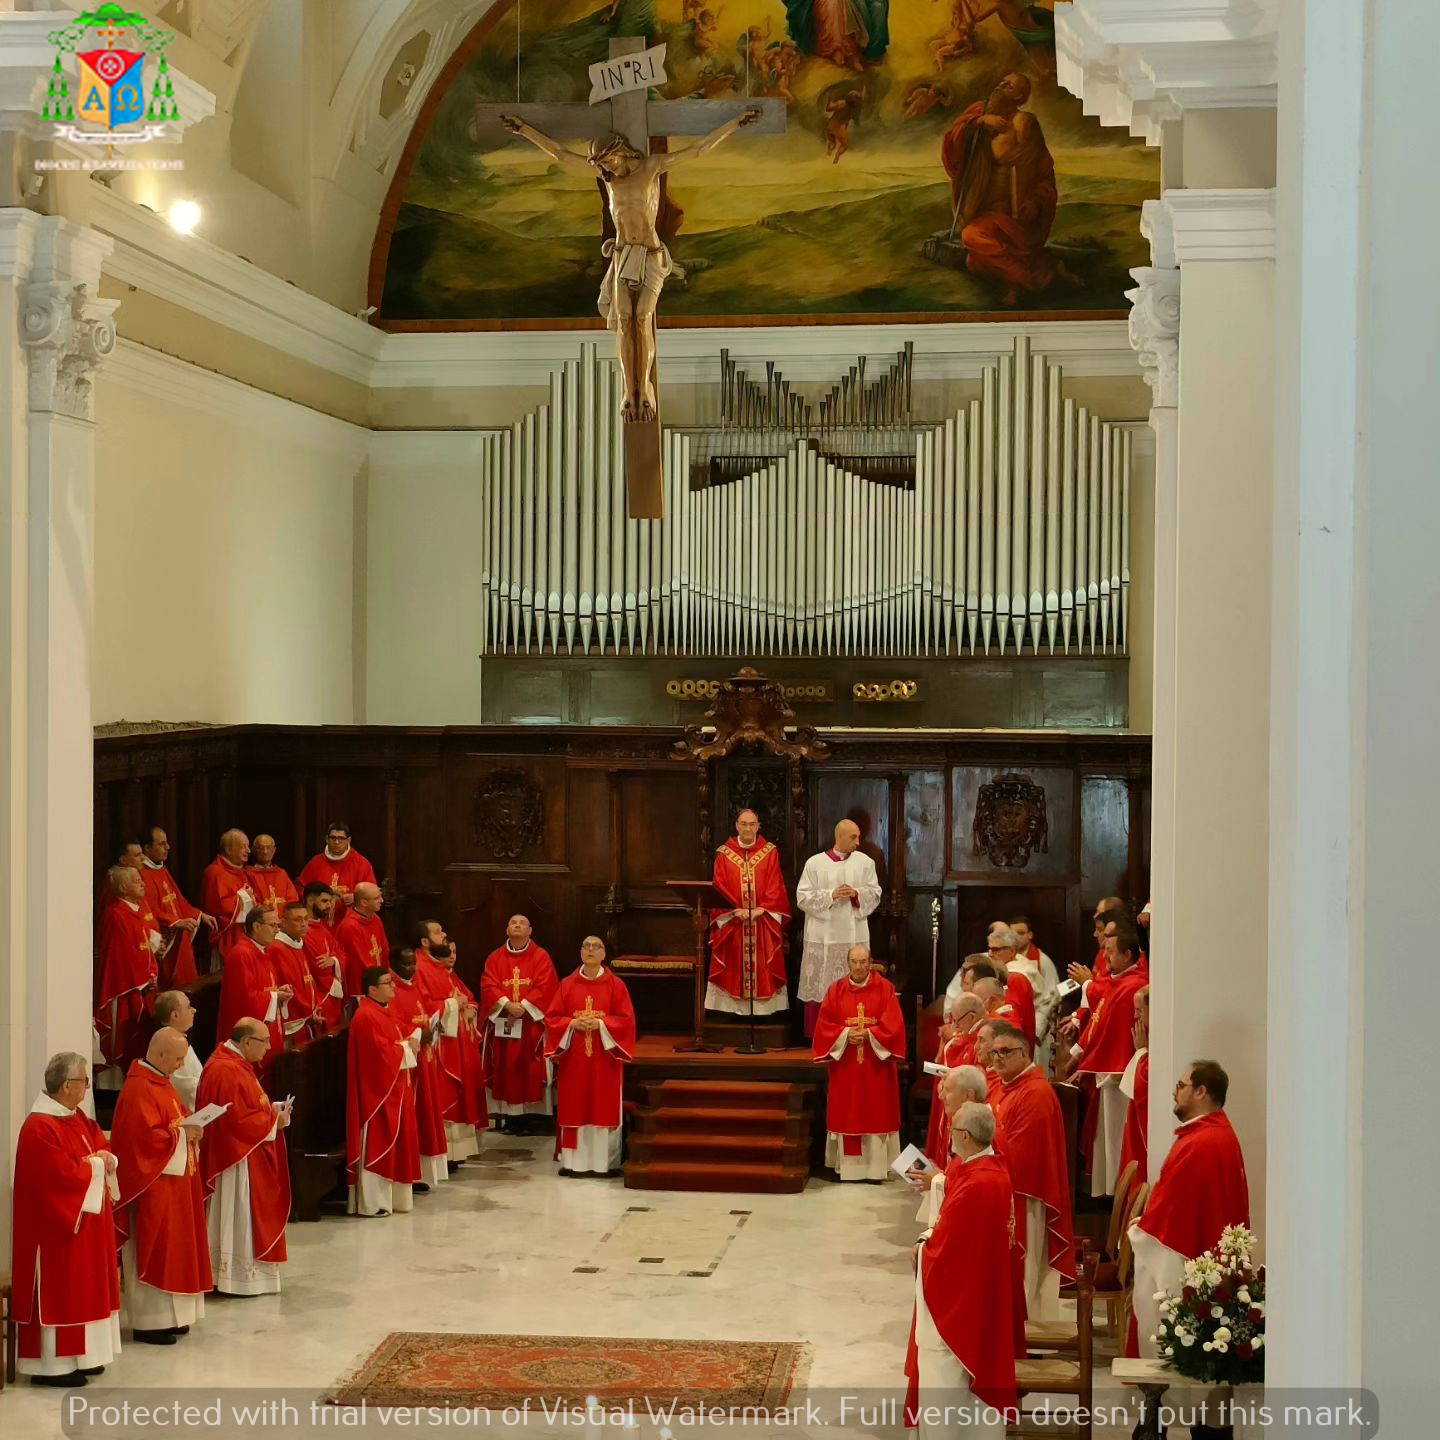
<point x="226" y="891"/>
<point x="360" y="936"/>
<point x="273" y="888"/>
<point x="838" y="891"/>
<point x="160" y="1215"/>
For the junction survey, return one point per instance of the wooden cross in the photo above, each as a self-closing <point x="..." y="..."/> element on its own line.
<point x="857" y="1024"/>
<point x="515" y="982"/>
<point x="639" y="120"/>
<point x="589" y="1013"/>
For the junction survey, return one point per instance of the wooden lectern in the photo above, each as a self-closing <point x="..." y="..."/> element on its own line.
<point x="701" y="896"/>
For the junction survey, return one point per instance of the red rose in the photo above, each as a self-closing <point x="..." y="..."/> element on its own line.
<point x="1188" y="1293"/>
<point x="1222" y="1295"/>
<point x="1244" y="1349"/>
<point x="1255" y="1317"/>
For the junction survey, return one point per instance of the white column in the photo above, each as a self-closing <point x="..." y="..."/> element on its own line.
<point x="53" y="335"/>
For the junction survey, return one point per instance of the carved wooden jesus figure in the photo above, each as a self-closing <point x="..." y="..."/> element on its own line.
<point x="639" y="259"/>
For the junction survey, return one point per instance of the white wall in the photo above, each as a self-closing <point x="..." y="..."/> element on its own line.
<point x="224" y="536"/>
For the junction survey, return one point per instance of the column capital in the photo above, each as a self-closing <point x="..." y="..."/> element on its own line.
<point x="1139" y="63"/>
<point x="1155" y="331"/>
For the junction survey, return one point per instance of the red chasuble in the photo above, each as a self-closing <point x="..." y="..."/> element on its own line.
<point x="1035" y="1153"/>
<point x="241" y="1136"/>
<point x="126" y="969"/>
<point x="863" y="1092"/>
<point x="246" y="990"/>
<point x="967" y="1274"/>
<point x="320" y="942"/>
<point x="165" y="1213"/>
<point x="1201" y="1188"/>
<point x="341" y="875"/>
<point x="1135" y="1144"/>
<point x="271" y="887"/>
<point x="177" y="962"/>
<point x="411" y="1013"/>
<point x="515" y="1069"/>
<point x="226" y="895"/>
<point x="957" y="1052"/>
<point x="462" y="1070"/>
<point x="748" y="956"/>
<point x="588" y="1077"/>
<point x="62" y="1265"/>
<point x="1020" y="995"/>
<point x="379" y="1100"/>
<point x="1107" y="1041"/>
<point x="292" y="967"/>
<point x="362" y="942"/>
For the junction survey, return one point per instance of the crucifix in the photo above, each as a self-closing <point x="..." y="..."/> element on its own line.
<point x="515" y="983"/>
<point x="856" y="1025"/>
<point x="589" y="1013"/>
<point x="619" y="130"/>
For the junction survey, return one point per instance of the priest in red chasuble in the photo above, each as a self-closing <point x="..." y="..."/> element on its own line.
<point x="962" y="1351"/>
<point x="160" y="1215"/>
<point x="461" y="1074"/>
<point x="251" y="983"/>
<point x="747" y="938"/>
<point x="957" y="1048"/>
<point x="1135" y="1087"/>
<point x="301" y="1015"/>
<point x="418" y="1019"/>
<point x="179" y="919"/>
<point x="340" y="866"/>
<point x="1200" y="1190"/>
<point x="244" y="1167"/>
<point x="273" y="888"/>
<point x="225" y="891"/>
<point x="382" y="1148"/>
<point x="860" y="1038"/>
<point x="361" y="936"/>
<point x="126" y="975"/>
<point x="322" y="951"/>
<point x="590" y="1035"/>
<point x="515" y="992"/>
<point x="65" y="1288"/>
<point x="1039" y="1170"/>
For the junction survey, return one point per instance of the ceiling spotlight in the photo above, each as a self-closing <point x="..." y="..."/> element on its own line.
<point x="185" y="216"/>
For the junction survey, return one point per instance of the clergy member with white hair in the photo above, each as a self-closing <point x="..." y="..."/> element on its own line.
<point x="173" y="1011"/>
<point x="838" y="891"/>
<point x="65" y="1290"/>
<point x="961" y="1361"/>
<point x="244" y="1167"/>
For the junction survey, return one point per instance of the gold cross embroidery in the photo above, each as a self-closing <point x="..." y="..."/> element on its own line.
<point x="515" y="982"/>
<point x="374" y="949"/>
<point x="589" y="1013"/>
<point x="857" y="1024"/>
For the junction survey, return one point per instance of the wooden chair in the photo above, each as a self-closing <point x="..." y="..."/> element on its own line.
<point x="921" y="1091"/>
<point x="1069" y="1374"/>
<point x="315" y="1137"/>
<point x="1113" y="1285"/>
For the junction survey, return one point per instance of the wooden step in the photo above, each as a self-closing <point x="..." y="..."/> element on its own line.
<point x="723" y="1094"/>
<point x="719" y="1121"/>
<point x="735" y="1179"/>
<point x="718" y="1149"/>
<point x="732" y="1032"/>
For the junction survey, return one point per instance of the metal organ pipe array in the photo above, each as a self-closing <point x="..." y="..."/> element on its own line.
<point x="1010" y="533"/>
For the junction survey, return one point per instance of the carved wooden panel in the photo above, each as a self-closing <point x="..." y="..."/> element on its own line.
<point x="865" y="799"/>
<point x="925" y="827"/>
<point x="509" y="815"/>
<point x="1011" y="821"/>
<point x="1000" y="811"/>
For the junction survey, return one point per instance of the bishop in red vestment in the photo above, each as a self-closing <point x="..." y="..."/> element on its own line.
<point x="179" y="919"/>
<point x="382" y="1147"/>
<point x="251" y="984"/>
<point x="244" y="1167"/>
<point x="361" y="937"/>
<point x="65" y="1287"/>
<point x="225" y="891"/>
<point x="860" y="1039"/>
<point x="747" y="938"/>
<point x="126" y="975"/>
<point x="302" y="1015"/>
<point x="1200" y="1190"/>
<point x="322" y="951"/>
<point x="340" y="866"/>
<point x="1039" y="1171"/>
<point x="957" y="1048"/>
<point x="272" y="887"/>
<point x="462" y="1067"/>
<point x="515" y="992"/>
<point x="590" y="1036"/>
<point x="419" y="1019"/>
<point x="962" y="1352"/>
<point x="160" y="1214"/>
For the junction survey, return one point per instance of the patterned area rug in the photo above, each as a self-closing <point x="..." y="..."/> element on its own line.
<point x="424" y="1368"/>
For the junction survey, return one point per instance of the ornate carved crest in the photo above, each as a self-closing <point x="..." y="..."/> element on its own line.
<point x="1010" y="821"/>
<point x="750" y="710"/>
<point x="510" y="814"/>
<point x="763" y="789"/>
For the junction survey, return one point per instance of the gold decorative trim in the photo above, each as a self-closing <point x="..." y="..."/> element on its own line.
<point x="806" y="692"/>
<point x="882" y="691"/>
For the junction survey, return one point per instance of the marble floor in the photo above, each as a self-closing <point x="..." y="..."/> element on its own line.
<point x="507" y="1245"/>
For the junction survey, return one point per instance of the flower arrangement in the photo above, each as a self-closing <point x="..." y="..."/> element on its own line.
<point x="1214" y="1329"/>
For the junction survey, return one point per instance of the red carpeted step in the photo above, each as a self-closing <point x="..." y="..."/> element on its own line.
<point x="727" y="1093"/>
<point x="717" y="1149"/>
<point x="721" y="1121"/>
<point x="740" y="1179"/>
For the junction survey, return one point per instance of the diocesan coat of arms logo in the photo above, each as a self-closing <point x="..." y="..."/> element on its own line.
<point x="105" y="99"/>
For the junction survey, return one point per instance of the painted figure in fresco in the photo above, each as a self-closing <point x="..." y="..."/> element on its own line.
<point x="959" y="40"/>
<point x="639" y="259"/>
<point x="782" y="61"/>
<point x="849" y="33"/>
<point x="925" y="96"/>
<point x="707" y="32"/>
<point x="1002" y="190"/>
<point x="839" y="114"/>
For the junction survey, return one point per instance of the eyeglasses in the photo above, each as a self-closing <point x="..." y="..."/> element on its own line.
<point x="1001" y="1054"/>
<point x="1182" y="1085"/>
<point x="78" y="1080"/>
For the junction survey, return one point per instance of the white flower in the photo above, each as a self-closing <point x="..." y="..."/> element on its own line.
<point x="1207" y="1346"/>
<point x="1221" y="1347"/>
<point x="1223" y="1333"/>
<point x="1154" y="1339"/>
<point x="1187" y="1339"/>
<point x="1169" y="1349"/>
<point x="1160" y="1295"/>
<point x="1243" y="1296"/>
<point x="1217" y="1312"/>
<point x="1258" y="1341"/>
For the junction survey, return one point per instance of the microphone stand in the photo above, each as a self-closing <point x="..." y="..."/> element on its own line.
<point x="752" y="1048"/>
